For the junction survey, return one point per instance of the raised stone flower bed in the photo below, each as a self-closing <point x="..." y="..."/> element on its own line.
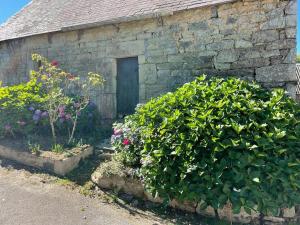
<point x="125" y="183"/>
<point x="60" y="164"/>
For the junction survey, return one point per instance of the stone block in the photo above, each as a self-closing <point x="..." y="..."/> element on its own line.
<point x="275" y="23"/>
<point x="243" y="44"/>
<point x="227" y="56"/>
<point x="291" y="56"/>
<point x="291" y="89"/>
<point x="289" y="213"/>
<point x="148" y="73"/>
<point x="157" y="59"/>
<point x="216" y="46"/>
<point x="290" y="32"/>
<point x="203" y="25"/>
<point x="222" y="66"/>
<point x="209" y="211"/>
<point x="291" y="20"/>
<point x="163" y="73"/>
<point x="291" y="8"/>
<point x="170" y="66"/>
<point x="185" y="206"/>
<point x="178" y="58"/>
<point x="276" y="73"/>
<point x="265" y="36"/>
<point x="251" y="63"/>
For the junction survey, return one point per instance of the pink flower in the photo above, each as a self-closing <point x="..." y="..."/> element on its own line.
<point x="21" y="123"/>
<point x="117" y="131"/>
<point x="54" y="63"/>
<point x="126" y="142"/>
<point x="61" y="111"/>
<point x="45" y="114"/>
<point x="61" y="108"/>
<point x="68" y="116"/>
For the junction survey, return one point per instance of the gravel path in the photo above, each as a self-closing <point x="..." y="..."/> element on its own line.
<point x="31" y="199"/>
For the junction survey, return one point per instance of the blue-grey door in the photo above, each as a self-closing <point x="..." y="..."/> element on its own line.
<point x="127" y="85"/>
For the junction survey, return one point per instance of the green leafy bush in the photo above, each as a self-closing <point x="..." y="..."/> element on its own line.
<point x="298" y="58"/>
<point x="218" y="141"/>
<point x="17" y="106"/>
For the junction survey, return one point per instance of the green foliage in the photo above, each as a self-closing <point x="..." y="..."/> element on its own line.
<point x="34" y="148"/>
<point x="15" y="104"/>
<point x="298" y="58"/>
<point x="217" y="141"/>
<point x="58" y="148"/>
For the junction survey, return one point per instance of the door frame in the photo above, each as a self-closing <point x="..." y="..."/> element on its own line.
<point x="115" y="77"/>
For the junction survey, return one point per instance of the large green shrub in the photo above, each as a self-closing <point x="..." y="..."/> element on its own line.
<point x="215" y="141"/>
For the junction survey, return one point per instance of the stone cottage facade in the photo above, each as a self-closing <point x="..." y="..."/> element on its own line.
<point x="145" y="48"/>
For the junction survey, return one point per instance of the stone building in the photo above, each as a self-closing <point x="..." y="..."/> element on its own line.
<point x="145" y="48"/>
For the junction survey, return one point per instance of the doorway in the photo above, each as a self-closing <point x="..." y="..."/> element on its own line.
<point x="127" y="86"/>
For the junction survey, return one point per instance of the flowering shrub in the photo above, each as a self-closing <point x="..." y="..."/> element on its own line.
<point x="60" y="86"/>
<point x="126" y="142"/>
<point x="218" y="141"/>
<point x="52" y="100"/>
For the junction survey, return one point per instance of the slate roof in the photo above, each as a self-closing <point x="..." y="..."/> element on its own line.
<point x="44" y="16"/>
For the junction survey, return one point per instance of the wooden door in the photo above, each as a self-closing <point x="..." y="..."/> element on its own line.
<point x="127" y="85"/>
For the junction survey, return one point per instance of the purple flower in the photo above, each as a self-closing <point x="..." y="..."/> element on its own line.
<point x="7" y="127"/>
<point x="62" y="114"/>
<point x="31" y="108"/>
<point x="36" y="118"/>
<point x="45" y="114"/>
<point x="78" y="113"/>
<point x="38" y="112"/>
<point x="77" y="105"/>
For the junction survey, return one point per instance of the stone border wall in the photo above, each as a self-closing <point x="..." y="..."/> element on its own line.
<point x="58" y="166"/>
<point x="135" y="187"/>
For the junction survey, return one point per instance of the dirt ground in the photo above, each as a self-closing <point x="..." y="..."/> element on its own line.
<point x="30" y="197"/>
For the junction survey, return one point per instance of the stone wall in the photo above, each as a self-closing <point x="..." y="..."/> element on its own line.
<point x="251" y="39"/>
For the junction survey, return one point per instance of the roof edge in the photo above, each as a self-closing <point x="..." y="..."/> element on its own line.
<point x="111" y="22"/>
<point x="116" y="21"/>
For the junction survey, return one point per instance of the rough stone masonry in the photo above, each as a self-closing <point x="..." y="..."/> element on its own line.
<point x="251" y="39"/>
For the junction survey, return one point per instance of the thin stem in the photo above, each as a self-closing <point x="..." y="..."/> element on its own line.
<point x="53" y="132"/>
<point x="74" y="128"/>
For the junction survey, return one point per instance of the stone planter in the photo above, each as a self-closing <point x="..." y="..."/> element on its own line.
<point x="60" y="164"/>
<point x="135" y="187"/>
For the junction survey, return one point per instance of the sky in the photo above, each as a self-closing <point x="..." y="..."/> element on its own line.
<point x="10" y="7"/>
